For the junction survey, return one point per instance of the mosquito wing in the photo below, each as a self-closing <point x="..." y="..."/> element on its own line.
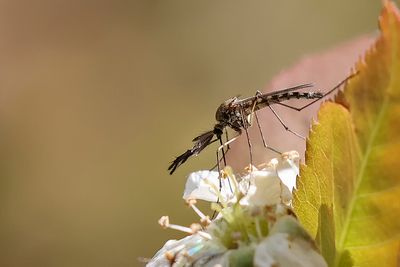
<point x="250" y="100"/>
<point x="290" y="89"/>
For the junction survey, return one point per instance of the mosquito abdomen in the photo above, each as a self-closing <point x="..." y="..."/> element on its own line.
<point x="264" y="101"/>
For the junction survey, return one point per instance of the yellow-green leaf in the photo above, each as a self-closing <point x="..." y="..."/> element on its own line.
<point x="348" y="194"/>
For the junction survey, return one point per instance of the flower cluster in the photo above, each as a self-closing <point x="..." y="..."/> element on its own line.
<point x="254" y="225"/>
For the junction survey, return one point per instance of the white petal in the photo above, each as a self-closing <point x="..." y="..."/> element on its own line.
<point x="204" y="185"/>
<point x="267" y="189"/>
<point x="288" y="169"/>
<point x="285" y="251"/>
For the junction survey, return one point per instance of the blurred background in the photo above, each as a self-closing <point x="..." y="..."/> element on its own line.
<point x="97" y="97"/>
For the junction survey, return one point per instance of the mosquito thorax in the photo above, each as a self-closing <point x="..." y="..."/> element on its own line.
<point x="222" y="112"/>
<point x="229" y="111"/>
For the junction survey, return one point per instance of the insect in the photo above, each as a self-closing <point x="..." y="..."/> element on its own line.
<point x="237" y="114"/>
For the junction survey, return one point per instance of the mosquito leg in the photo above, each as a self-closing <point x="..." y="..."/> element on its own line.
<point x="253" y="111"/>
<point x="227" y="143"/>
<point x="227" y="139"/>
<point x="250" y="147"/>
<point x="219" y="172"/>
<point x="223" y="151"/>
<point x="223" y="156"/>
<point x="262" y="136"/>
<point x="220" y="184"/>
<point x="245" y="126"/>
<point x="221" y="147"/>
<point x="226" y="152"/>
<point x="218" y="164"/>
<point x="259" y="128"/>
<point x="284" y="125"/>
<point x="300" y="108"/>
<point x="214" y="214"/>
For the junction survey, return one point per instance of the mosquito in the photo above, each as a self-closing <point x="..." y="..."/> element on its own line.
<point x="237" y="114"/>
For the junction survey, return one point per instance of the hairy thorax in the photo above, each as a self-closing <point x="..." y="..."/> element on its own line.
<point x="231" y="114"/>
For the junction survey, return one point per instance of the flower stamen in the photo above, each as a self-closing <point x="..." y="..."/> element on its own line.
<point x="193" y="229"/>
<point x="191" y="202"/>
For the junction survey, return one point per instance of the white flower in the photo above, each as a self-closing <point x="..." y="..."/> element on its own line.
<point x="255" y="225"/>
